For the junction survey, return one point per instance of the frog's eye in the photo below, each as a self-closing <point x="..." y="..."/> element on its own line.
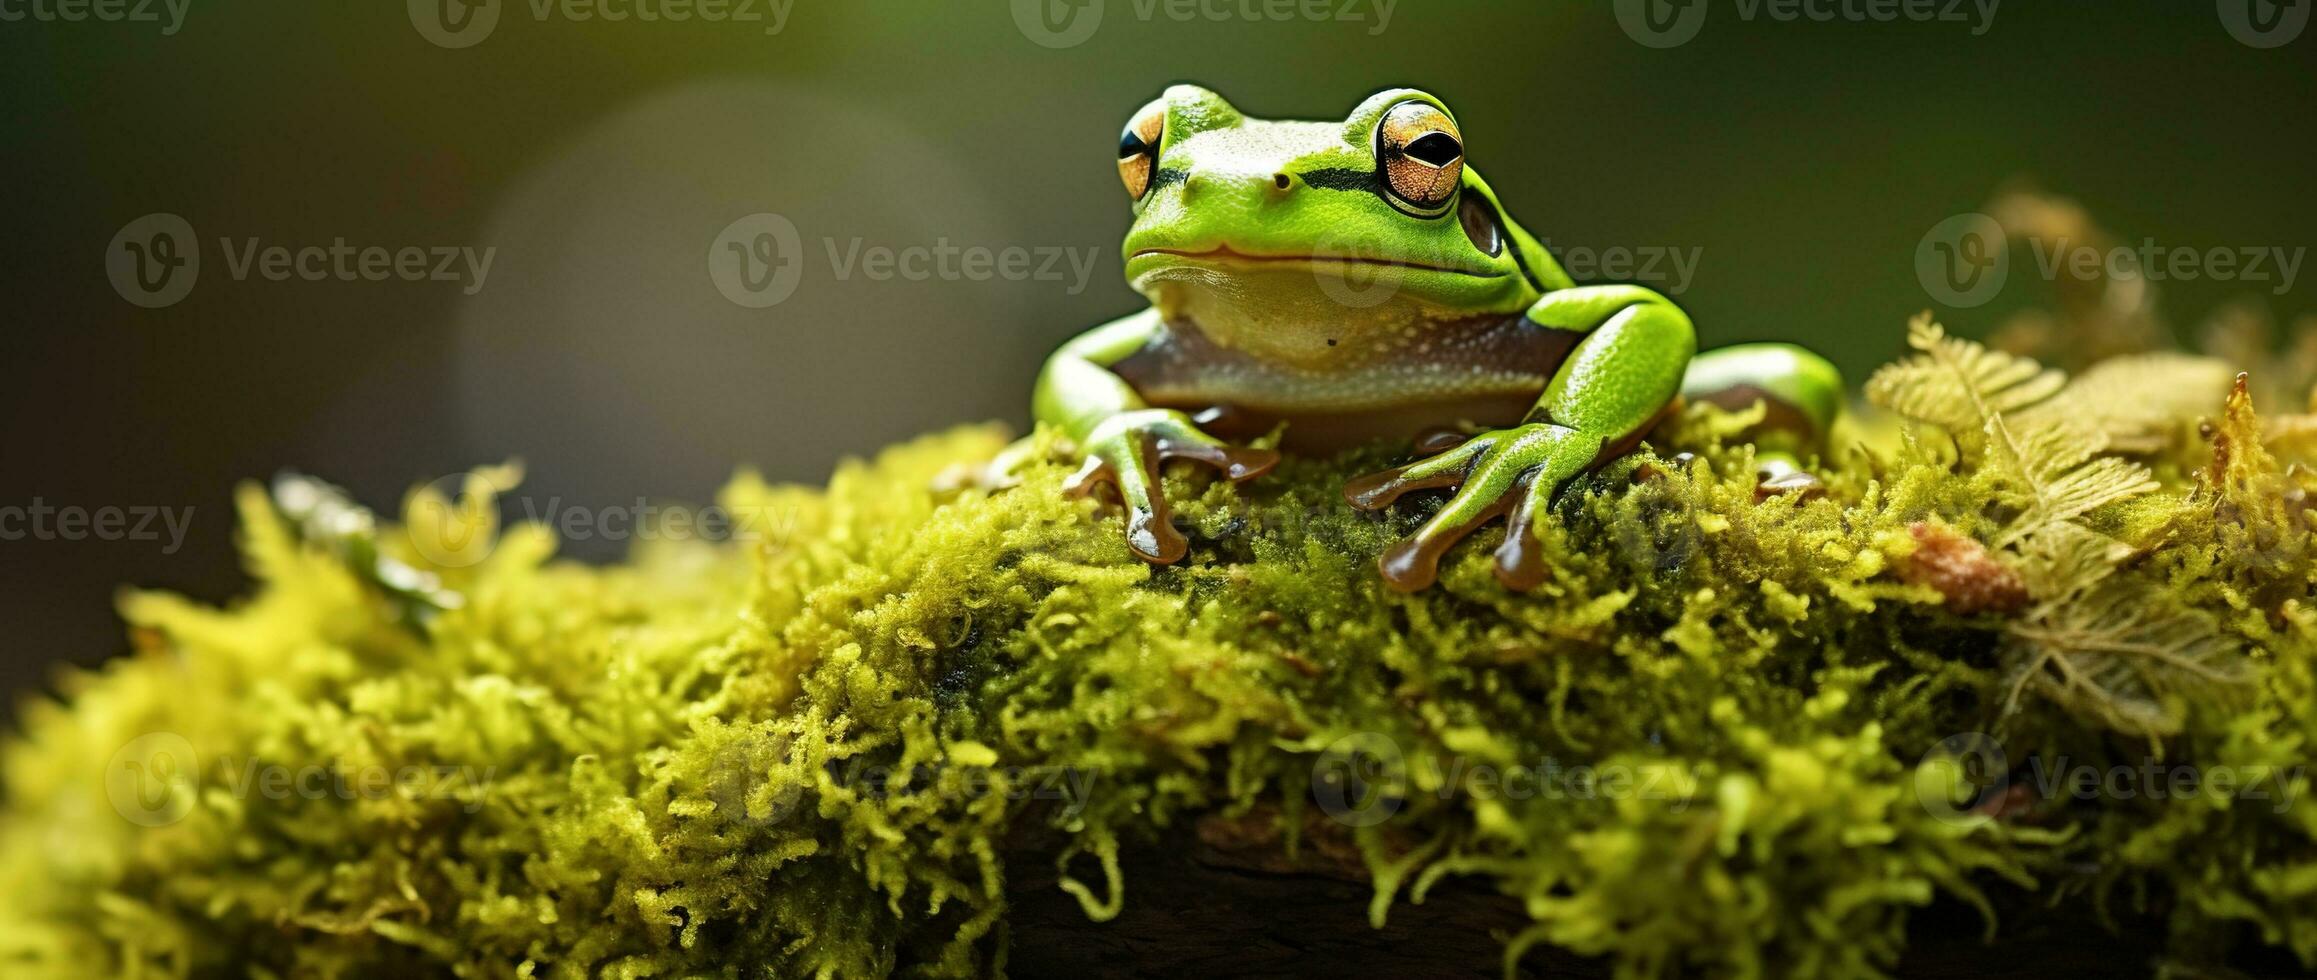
<point x="1421" y="155"/>
<point x="1138" y="148"/>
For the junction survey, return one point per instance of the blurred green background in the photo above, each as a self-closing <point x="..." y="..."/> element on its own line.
<point x="1801" y="163"/>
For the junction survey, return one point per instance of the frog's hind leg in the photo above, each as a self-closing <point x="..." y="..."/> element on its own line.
<point x="1800" y="392"/>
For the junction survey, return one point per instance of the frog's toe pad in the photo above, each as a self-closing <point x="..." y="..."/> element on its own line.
<point x="1150" y="528"/>
<point x="1238" y="464"/>
<point x="1413" y="564"/>
<point x="1520" y="560"/>
<point x="1153" y="538"/>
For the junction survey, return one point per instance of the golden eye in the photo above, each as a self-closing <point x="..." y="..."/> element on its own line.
<point x="1422" y="156"/>
<point x="1138" y="148"/>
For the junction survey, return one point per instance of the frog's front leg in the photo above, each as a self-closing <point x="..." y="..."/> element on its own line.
<point x="1614" y="384"/>
<point x="1124" y="440"/>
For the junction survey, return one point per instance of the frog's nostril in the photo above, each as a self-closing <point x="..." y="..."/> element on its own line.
<point x="1281" y="181"/>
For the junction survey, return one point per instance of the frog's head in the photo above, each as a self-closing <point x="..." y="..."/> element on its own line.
<point x="1378" y="213"/>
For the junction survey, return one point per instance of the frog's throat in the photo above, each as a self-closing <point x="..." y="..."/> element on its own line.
<point x="1294" y="317"/>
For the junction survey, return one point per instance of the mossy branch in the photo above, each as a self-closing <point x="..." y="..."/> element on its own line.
<point x="900" y="725"/>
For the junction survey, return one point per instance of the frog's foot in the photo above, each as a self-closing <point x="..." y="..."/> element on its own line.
<point x="1125" y="451"/>
<point x="1505" y="472"/>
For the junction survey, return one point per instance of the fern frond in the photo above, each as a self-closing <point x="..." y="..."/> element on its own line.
<point x="2039" y="454"/>
<point x="2087" y="488"/>
<point x="2121" y="651"/>
<point x="2043" y="434"/>
<point x="1958" y="384"/>
<point x="2118" y="649"/>
<point x="2062" y="479"/>
<point x="2068" y="558"/>
<point x="2137" y="401"/>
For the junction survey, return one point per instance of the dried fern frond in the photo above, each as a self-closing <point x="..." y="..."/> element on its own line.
<point x="2047" y="442"/>
<point x="2137" y="401"/>
<point x="2118" y="649"/>
<point x="2134" y="403"/>
<point x="2122" y="652"/>
<point x="2061" y="479"/>
<point x="1957" y="384"/>
<point x="2072" y="559"/>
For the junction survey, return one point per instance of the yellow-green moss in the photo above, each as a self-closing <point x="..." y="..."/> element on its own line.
<point x="799" y="754"/>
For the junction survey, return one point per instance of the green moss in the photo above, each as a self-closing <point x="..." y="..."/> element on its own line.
<point x="803" y="753"/>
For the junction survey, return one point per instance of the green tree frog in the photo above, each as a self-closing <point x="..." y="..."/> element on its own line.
<point x="1358" y="281"/>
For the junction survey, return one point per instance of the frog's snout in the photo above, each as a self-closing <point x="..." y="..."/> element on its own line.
<point x="1272" y="185"/>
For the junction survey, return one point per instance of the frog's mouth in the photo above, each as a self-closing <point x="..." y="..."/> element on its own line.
<point x="1226" y="255"/>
